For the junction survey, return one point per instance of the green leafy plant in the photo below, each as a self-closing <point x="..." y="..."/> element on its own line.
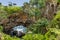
<point x="7" y="37"/>
<point x="1" y="28"/>
<point x="39" y="26"/>
<point x="33" y="37"/>
<point x="55" y="23"/>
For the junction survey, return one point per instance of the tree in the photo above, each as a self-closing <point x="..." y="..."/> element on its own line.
<point x="37" y="3"/>
<point x="12" y="9"/>
<point x="0" y="3"/>
<point x="10" y="4"/>
<point x="32" y="11"/>
<point x="14" y="4"/>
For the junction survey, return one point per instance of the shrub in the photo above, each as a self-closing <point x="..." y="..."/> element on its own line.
<point x="56" y="21"/>
<point x="39" y="26"/>
<point x="7" y="37"/>
<point x="33" y="37"/>
<point x="48" y="36"/>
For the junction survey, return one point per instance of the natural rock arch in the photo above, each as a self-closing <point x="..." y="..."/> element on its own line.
<point x="15" y="20"/>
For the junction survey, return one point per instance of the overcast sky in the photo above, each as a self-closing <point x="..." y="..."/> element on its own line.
<point x="18" y="2"/>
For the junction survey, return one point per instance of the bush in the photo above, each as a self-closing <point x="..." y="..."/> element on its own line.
<point x="33" y="37"/>
<point x="56" y="21"/>
<point x="48" y="36"/>
<point x="7" y="37"/>
<point x="39" y="26"/>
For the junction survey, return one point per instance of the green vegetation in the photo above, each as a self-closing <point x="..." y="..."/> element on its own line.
<point x="39" y="26"/>
<point x="46" y="19"/>
<point x="7" y="37"/>
<point x="1" y="28"/>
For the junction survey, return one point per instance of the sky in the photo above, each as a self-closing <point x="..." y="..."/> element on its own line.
<point x="18" y="2"/>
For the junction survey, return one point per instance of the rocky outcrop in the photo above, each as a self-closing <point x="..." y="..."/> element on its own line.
<point x="15" y="20"/>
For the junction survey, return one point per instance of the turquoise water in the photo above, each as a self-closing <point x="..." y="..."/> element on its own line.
<point x="20" y="28"/>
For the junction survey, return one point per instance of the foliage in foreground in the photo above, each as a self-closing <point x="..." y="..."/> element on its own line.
<point x="7" y="37"/>
<point x="48" y="36"/>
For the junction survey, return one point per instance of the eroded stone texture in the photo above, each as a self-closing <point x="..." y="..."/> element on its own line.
<point x="15" y="20"/>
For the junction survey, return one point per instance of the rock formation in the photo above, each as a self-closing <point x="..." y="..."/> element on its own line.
<point x="15" y="20"/>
